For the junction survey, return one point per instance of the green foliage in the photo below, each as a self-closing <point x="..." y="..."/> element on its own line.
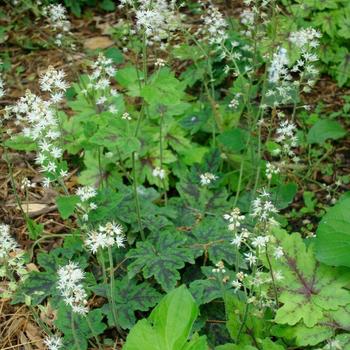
<point x="169" y="325"/>
<point x="311" y="293"/>
<point x="323" y="130"/>
<point x="129" y="297"/>
<point x="76" y="328"/>
<point x="161" y="256"/>
<point x="66" y="205"/>
<point x="333" y="235"/>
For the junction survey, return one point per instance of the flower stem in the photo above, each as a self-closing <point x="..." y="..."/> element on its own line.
<point x="111" y="283"/>
<point x="93" y="333"/>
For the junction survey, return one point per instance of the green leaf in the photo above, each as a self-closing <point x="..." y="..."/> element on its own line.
<point x="66" y="205"/>
<point x="308" y="289"/>
<point x="163" y="88"/>
<point x="107" y="5"/>
<point x="211" y="288"/>
<point x="333" y="235"/>
<point x="212" y="238"/>
<point x="283" y="194"/>
<point x="34" y="229"/>
<point x="38" y="286"/>
<point x="78" y="337"/>
<point x="161" y="256"/>
<point x="21" y="143"/>
<point x="323" y="130"/>
<point x="115" y="54"/>
<point x="130" y="297"/>
<point x="169" y="325"/>
<point x="235" y="309"/>
<point x="234" y="140"/>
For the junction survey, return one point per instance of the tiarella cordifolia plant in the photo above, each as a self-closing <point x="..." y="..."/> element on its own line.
<point x="183" y="169"/>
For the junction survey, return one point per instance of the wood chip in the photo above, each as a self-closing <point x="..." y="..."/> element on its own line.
<point x="98" y="42"/>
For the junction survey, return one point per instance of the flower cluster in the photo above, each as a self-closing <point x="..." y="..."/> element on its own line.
<point x="53" y="81"/>
<point x="157" y="20"/>
<point x="234" y="218"/>
<point x="98" y="89"/>
<point x="214" y="27"/>
<point x="12" y="263"/>
<point x="85" y="193"/>
<point x="105" y="236"/>
<point x="287" y="139"/>
<point x="2" y="86"/>
<point x="56" y="16"/>
<point x="271" y="169"/>
<point x="263" y="209"/>
<point x="53" y="342"/>
<point x="70" y="286"/>
<point x="207" y="178"/>
<point x="279" y="66"/>
<point x="307" y="41"/>
<point x="39" y="122"/>
<point x="158" y="172"/>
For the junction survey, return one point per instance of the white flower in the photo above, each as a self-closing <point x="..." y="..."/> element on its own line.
<point x="207" y="178"/>
<point x="7" y="243"/>
<point x="101" y="100"/>
<point x="220" y="267"/>
<point x="70" y="286"/>
<point x="26" y="183"/>
<point x="271" y="169"/>
<point x="126" y="116"/>
<point x="250" y="258"/>
<point x="305" y="37"/>
<point x="46" y="182"/>
<point x="53" y="81"/>
<point x="85" y="193"/>
<point x="160" y="62"/>
<point x="278" y="65"/>
<point x="278" y="253"/>
<point x="105" y="236"/>
<point x="236" y="285"/>
<point x="53" y="342"/>
<point x="158" y="172"/>
<point x="263" y="208"/>
<point x="215" y="26"/>
<point x="57" y="17"/>
<point x="237" y="240"/>
<point x="234" y="218"/>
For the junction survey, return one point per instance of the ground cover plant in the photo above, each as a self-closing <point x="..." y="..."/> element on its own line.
<point x="174" y="175"/>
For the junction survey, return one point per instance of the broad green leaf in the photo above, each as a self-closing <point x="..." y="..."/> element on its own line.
<point x="161" y="256"/>
<point x="169" y="325"/>
<point x="308" y="289"/>
<point x="323" y="130"/>
<point x="163" y="88"/>
<point x="66" y="205"/>
<point x="38" y="286"/>
<point x="115" y="54"/>
<point x="21" y="143"/>
<point x="333" y="235"/>
<point x="234" y="140"/>
<point x="282" y="195"/>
